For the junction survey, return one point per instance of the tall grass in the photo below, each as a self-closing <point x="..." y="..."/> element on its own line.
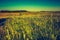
<point x="32" y="28"/>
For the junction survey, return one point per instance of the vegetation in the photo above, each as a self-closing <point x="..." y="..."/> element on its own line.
<point x="32" y="28"/>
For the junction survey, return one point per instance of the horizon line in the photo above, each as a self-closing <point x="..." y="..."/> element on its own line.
<point x="28" y="10"/>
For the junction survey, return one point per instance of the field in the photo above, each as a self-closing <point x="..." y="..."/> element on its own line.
<point x="30" y="26"/>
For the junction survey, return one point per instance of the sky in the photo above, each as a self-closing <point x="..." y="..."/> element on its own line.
<point x="30" y="5"/>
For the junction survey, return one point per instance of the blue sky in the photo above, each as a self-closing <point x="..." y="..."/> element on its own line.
<point x="30" y="5"/>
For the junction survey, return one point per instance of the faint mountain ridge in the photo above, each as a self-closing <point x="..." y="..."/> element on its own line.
<point x="50" y="11"/>
<point x="13" y="11"/>
<point x="3" y="11"/>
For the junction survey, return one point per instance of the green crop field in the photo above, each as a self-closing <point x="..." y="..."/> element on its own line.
<point x="31" y="28"/>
